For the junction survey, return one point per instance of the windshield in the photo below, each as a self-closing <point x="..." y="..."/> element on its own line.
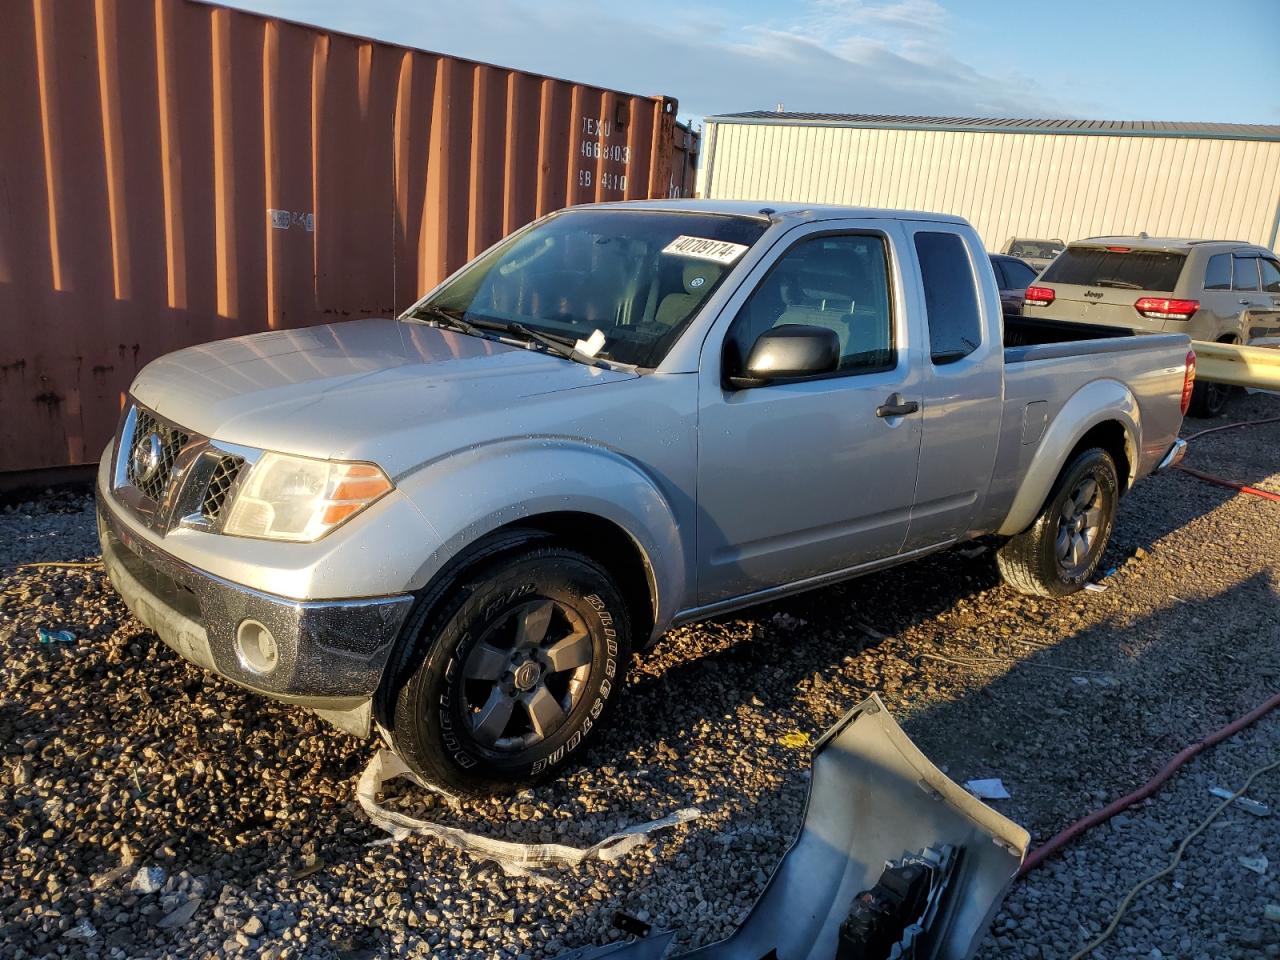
<point x="637" y="276"/>
<point x="1036" y="249"/>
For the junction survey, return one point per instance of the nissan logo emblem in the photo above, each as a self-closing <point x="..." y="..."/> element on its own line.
<point x="146" y="457"/>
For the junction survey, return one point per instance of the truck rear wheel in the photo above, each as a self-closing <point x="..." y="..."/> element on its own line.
<point x="515" y="669"/>
<point x="1061" y="550"/>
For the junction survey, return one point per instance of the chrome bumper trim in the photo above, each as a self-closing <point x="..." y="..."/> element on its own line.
<point x="1174" y="456"/>
<point x="331" y="652"/>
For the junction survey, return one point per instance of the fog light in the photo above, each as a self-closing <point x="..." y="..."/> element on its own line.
<point x="256" y="647"/>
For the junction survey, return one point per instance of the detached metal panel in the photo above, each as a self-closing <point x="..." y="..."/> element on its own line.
<point x="1064" y="185"/>
<point x="173" y="172"/>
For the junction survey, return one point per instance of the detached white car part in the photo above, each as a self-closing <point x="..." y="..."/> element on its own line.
<point x="874" y="799"/>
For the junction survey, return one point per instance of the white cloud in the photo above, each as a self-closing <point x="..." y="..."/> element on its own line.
<point x="898" y="16"/>
<point x="840" y="56"/>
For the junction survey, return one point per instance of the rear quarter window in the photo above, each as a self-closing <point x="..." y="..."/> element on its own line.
<point x="1217" y="275"/>
<point x="1153" y="270"/>
<point x="950" y="296"/>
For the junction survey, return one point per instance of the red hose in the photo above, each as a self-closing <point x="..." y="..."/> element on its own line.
<point x="1230" y="484"/>
<point x="1052" y="846"/>
<point x="1231" y="426"/>
<point x="1048" y="849"/>
<point x="1220" y="481"/>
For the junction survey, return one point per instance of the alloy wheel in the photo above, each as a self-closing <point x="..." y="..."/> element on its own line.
<point x="1079" y="524"/>
<point x="526" y="674"/>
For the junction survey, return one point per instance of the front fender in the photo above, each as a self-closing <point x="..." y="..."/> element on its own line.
<point x="1099" y="401"/>
<point x="472" y="493"/>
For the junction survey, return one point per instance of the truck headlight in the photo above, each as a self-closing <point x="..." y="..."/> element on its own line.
<point x="297" y="498"/>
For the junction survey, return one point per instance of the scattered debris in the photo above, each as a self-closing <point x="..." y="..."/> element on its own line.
<point x="83" y="930"/>
<point x="515" y="859"/>
<point x="1257" y="864"/>
<point x="796" y="739"/>
<point x="631" y="926"/>
<point x="148" y="880"/>
<point x="970" y="553"/>
<point x="990" y="789"/>
<point x="311" y="863"/>
<point x="786" y="621"/>
<point x="1096" y="587"/>
<point x="1256" y="807"/>
<point x="55" y="636"/>
<point x="866" y="628"/>
<point x="181" y="916"/>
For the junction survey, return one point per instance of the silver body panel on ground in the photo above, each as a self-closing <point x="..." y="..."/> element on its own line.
<point x="729" y="495"/>
<point x="873" y="797"/>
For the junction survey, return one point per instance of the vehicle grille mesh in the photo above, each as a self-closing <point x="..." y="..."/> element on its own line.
<point x="172" y="440"/>
<point x="220" y="484"/>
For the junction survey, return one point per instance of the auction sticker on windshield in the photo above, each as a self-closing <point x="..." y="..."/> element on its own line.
<point x="721" y="251"/>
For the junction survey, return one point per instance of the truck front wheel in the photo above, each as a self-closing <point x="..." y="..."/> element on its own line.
<point x="516" y="668"/>
<point x="1058" y="553"/>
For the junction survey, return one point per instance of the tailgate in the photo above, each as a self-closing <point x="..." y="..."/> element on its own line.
<point x="1101" y="284"/>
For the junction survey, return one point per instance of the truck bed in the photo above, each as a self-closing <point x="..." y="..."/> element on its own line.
<point x="1048" y="362"/>
<point x="1031" y="332"/>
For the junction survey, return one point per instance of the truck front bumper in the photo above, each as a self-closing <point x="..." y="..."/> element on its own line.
<point x="327" y="655"/>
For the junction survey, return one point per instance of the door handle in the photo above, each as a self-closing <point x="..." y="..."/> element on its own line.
<point x="1244" y="302"/>
<point x="895" y="406"/>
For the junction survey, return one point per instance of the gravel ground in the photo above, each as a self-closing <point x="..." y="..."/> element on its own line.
<point x="117" y="757"/>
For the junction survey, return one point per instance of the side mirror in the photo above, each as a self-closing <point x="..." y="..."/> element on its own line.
<point x="789" y="352"/>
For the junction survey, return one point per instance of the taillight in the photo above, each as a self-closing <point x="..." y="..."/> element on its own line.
<point x="1039" y="296"/>
<point x="1188" y="381"/>
<point x="1156" y="308"/>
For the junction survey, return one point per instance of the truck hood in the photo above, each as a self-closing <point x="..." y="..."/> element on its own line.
<point x="342" y="390"/>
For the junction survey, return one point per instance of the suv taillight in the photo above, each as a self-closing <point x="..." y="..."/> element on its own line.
<point x="1188" y="381"/>
<point x="1039" y="296"/>
<point x="1157" y="308"/>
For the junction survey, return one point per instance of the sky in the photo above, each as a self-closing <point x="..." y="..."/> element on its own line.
<point x="1097" y="59"/>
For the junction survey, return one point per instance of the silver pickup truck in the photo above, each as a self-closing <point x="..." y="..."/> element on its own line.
<point x="457" y="526"/>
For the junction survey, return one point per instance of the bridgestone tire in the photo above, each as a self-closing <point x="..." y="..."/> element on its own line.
<point x="1030" y="562"/>
<point x="434" y="721"/>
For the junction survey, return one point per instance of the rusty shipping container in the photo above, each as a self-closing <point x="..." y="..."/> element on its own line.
<point x="173" y="172"/>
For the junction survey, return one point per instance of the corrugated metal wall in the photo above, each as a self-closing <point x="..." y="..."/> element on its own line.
<point x="173" y="172"/>
<point x="1008" y="184"/>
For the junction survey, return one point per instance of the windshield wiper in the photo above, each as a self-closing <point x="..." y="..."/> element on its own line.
<point x="1122" y="284"/>
<point x="445" y="318"/>
<point x="493" y="329"/>
<point x="561" y="348"/>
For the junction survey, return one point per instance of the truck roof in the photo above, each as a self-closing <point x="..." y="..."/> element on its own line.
<point x="779" y="209"/>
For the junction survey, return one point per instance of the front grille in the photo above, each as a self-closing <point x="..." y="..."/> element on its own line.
<point x="152" y="483"/>
<point x="220" y="484"/>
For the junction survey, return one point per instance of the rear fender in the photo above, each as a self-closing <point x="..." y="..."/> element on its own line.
<point x="1099" y="401"/>
<point x="471" y="494"/>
